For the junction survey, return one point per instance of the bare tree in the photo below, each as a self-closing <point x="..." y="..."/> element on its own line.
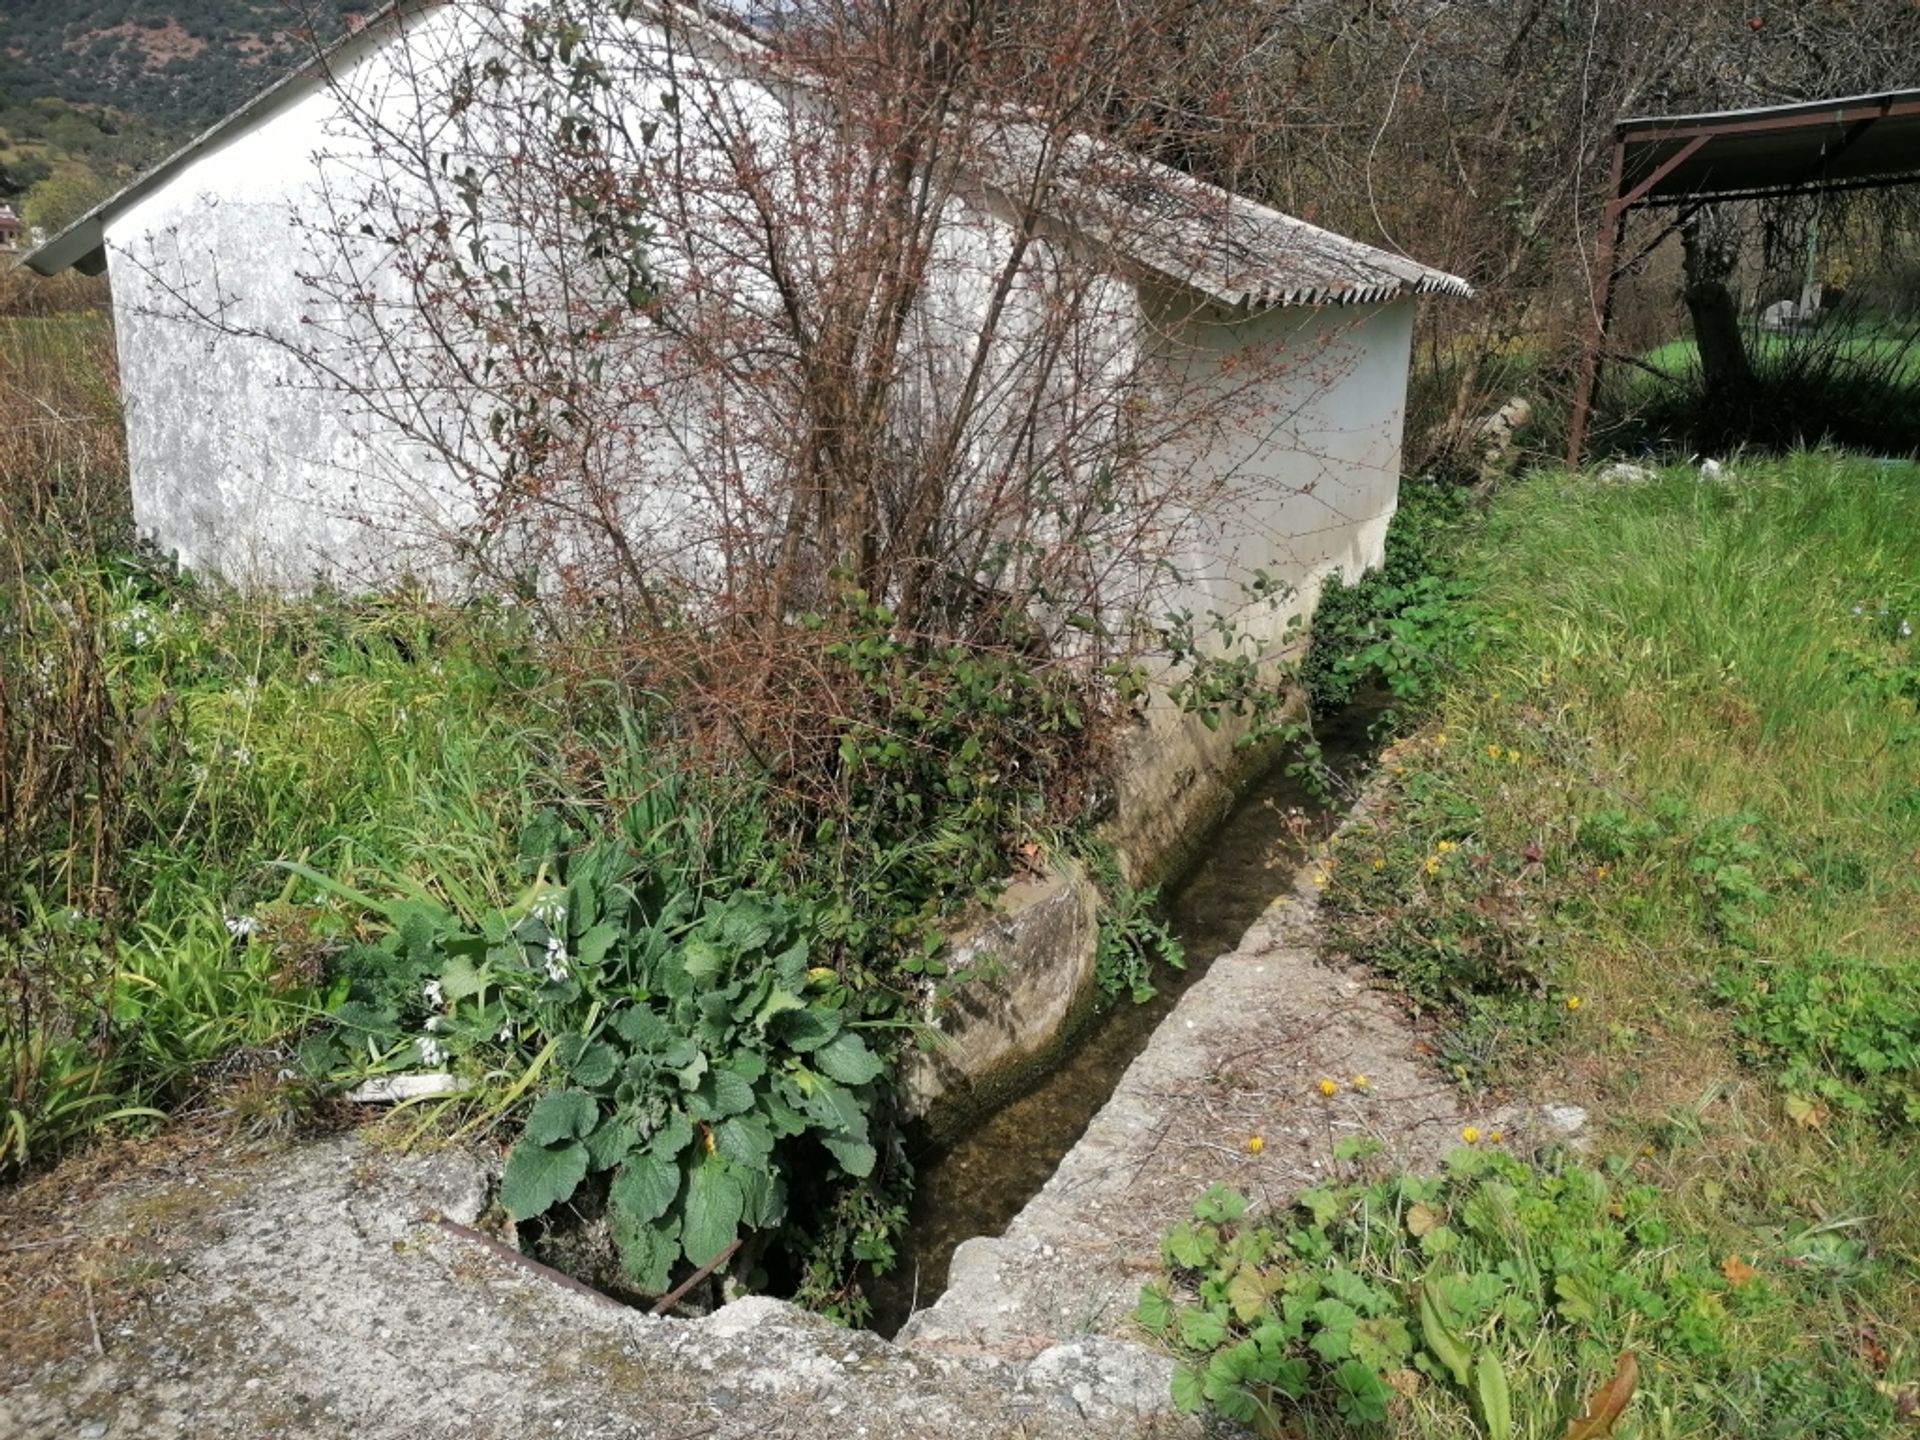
<point x="712" y="335"/>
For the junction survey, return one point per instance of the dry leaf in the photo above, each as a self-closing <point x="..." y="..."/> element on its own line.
<point x="1420" y="1220"/>
<point x="1737" y="1271"/>
<point x="1609" y="1403"/>
<point x="1805" y="1113"/>
<point x="1404" y="1382"/>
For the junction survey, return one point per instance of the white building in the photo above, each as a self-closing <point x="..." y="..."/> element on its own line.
<point x="243" y="464"/>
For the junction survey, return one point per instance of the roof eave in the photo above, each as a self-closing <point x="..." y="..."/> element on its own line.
<point x="81" y="246"/>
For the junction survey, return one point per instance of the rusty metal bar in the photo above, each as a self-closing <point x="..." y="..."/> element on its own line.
<point x="526" y="1262"/>
<point x="1809" y="121"/>
<point x="1613" y="228"/>
<point x="679" y="1292"/>
<point x="1666" y="167"/>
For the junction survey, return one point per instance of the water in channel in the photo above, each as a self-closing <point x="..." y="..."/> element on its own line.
<point x="980" y="1182"/>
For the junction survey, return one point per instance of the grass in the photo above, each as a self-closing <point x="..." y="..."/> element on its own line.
<point x="394" y="744"/>
<point x="1851" y="382"/>
<point x="1859" y="342"/>
<point x="1656" y="850"/>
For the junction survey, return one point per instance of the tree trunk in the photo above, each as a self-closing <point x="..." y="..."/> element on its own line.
<point x="1711" y="251"/>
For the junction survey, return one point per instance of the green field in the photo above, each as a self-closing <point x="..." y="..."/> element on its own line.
<point x="1655" y="850"/>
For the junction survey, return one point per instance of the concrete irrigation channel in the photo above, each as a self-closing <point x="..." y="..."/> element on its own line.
<point x="319" y="1292"/>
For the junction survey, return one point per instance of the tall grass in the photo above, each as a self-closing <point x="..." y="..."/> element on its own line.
<point x="164" y="747"/>
<point x="1849" y="382"/>
<point x="1659" y="852"/>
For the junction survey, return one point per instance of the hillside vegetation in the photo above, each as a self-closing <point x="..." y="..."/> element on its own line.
<point x="176" y="67"/>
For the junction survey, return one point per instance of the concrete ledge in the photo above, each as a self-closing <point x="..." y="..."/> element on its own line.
<point x="1037" y="950"/>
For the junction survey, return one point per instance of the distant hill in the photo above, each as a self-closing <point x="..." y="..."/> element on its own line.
<point x="92" y="91"/>
<point x="176" y="64"/>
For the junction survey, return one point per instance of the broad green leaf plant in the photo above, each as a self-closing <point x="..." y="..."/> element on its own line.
<point x="697" y="1058"/>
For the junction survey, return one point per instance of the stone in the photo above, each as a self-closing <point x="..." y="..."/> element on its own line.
<point x="1564" y="1119"/>
<point x="1621" y="473"/>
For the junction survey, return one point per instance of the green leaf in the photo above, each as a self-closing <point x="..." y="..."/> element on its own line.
<point x="593" y="945"/>
<point x="563" y="1115"/>
<point x="1347" y="1286"/>
<point x="645" y="1188"/>
<point x="856" y="1157"/>
<point x="673" y="1136"/>
<point x="732" y="1095"/>
<point x="848" y="1060"/>
<point x="713" y="1210"/>
<point x="594" y="1065"/>
<point x="647" y="1253"/>
<point x="461" y="980"/>
<point x="747" y="923"/>
<point x="1155" y="1310"/>
<point x="539" y="1177"/>
<point x="745" y="1140"/>
<point x="609" y="1143"/>
<point x="763" y="1199"/>
<point x="1440" y="1336"/>
<point x="1249" y="1291"/>
<point x="641" y="1028"/>
<point x="1362" y="1396"/>
<point x="1190" y="1247"/>
<point x="778" y="1002"/>
<point x="702" y="959"/>
<point x="807" y="1030"/>
<point x="1490" y="1389"/>
<point x="1201" y="1329"/>
<point x="1188" y="1390"/>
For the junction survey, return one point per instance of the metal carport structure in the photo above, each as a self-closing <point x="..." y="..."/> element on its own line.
<point x="1856" y="143"/>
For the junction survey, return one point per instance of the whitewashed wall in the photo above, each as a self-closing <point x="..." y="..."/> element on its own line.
<point x="243" y="465"/>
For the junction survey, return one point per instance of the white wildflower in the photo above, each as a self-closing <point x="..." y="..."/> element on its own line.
<point x="1906" y="629"/>
<point x="313" y="677"/>
<point x="433" y="994"/>
<point x="241" y="926"/>
<point x="433" y="1023"/>
<point x="556" y="959"/>
<point x="429" y="1050"/>
<point x="506" y="1033"/>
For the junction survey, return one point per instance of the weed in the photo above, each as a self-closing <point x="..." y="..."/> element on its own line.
<point x="1496" y="1293"/>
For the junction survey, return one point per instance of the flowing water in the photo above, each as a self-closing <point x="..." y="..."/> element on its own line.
<point x="980" y="1182"/>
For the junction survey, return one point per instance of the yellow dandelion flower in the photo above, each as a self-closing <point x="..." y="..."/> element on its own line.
<point x="1574" y="1002"/>
<point x="1513" y="757"/>
<point x="1441" y="738"/>
<point x="1601" y="873"/>
<point x="1255" y="1144"/>
<point x="1447" y="847"/>
<point x="1379" y="864"/>
<point x="1433" y="865"/>
<point x="1361" y="1082"/>
<point x="1494" y="751"/>
<point x="1470" y="1135"/>
<point x="1329" y="1087"/>
<point x="1495" y="1138"/>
